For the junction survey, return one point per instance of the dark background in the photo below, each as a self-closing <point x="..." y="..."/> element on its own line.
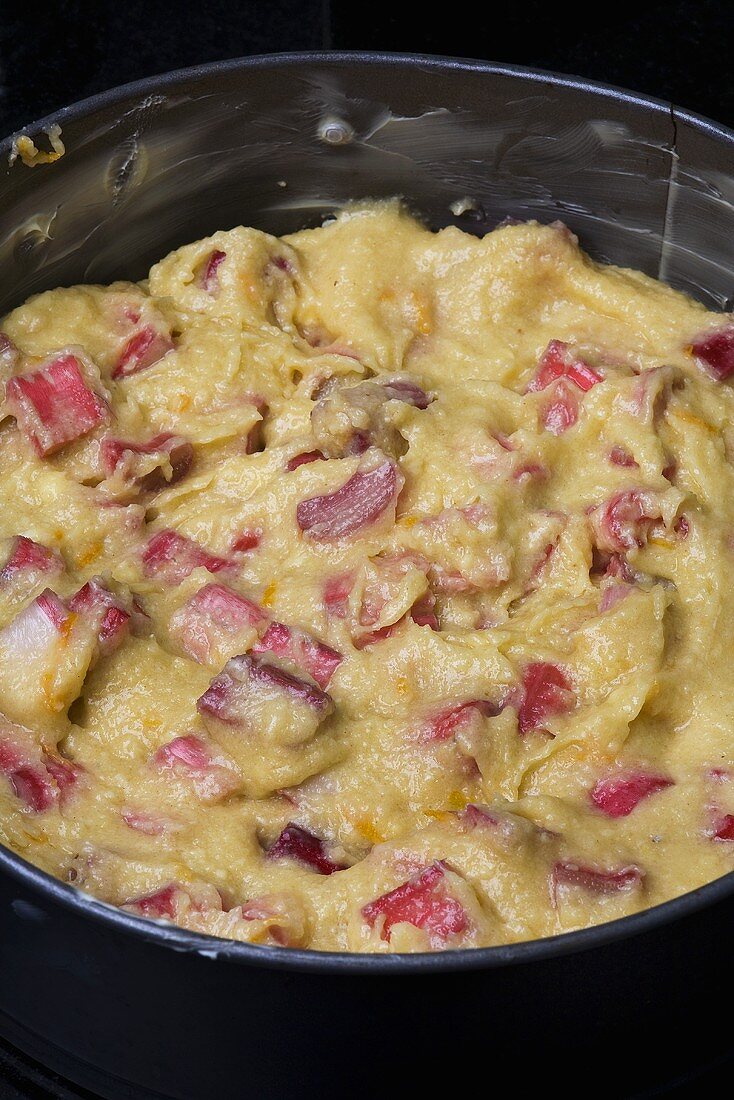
<point x="53" y="52"/>
<point x="58" y="51"/>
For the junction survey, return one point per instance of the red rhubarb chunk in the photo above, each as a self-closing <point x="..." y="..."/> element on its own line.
<point x="253" y="675"/>
<point x="449" y="721"/>
<point x="143" y="349"/>
<point x="593" y="880"/>
<point x="423" y="611"/>
<point x="313" y="656"/>
<point x="298" y="843"/>
<point x="336" y="595"/>
<point x="27" y="555"/>
<point x="158" y="905"/>
<point x="54" y="405"/>
<point x="173" y="557"/>
<point x="558" y="361"/>
<point x="715" y="351"/>
<point x="624" y="521"/>
<point x="618" y="795"/>
<point x="561" y="411"/>
<point x="724" y="828"/>
<point x="214" y="613"/>
<point x="546" y="691"/>
<point x="355" y="505"/>
<point x="620" y="456"/>
<point x="303" y="459"/>
<point x="407" y="391"/>
<point x="170" y="451"/>
<point x="421" y="901"/>
<point x="246" y="541"/>
<point x="210" y="274"/>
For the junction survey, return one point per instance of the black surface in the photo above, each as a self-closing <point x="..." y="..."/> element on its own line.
<point x="54" y="53"/>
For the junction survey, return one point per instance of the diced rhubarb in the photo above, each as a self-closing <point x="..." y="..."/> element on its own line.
<point x="715" y="350"/>
<point x="313" y="656"/>
<point x="618" y="795"/>
<point x="361" y="641"/>
<point x="190" y="757"/>
<point x="724" y="828"/>
<point x="303" y="459"/>
<point x="145" y="823"/>
<point x="337" y="590"/>
<point x="29" y="557"/>
<point x="559" y="361"/>
<point x="422" y="901"/>
<point x="423" y="611"/>
<point x="612" y="594"/>
<point x="64" y="773"/>
<point x="561" y="411"/>
<point x="682" y="527"/>
<point x="35" y="631"/>
<point x="594" y="880"/>
<point x="546" y="691"/>
<point x="407" y="391"/>
<point x="154" y="465"/>
<point x="214" y="616"/>
<point x="159" y="905"/>
<point x="173" y="557"/>
<point x="620" y="456"/>
<point x="480" y="816"/>
<point x="102" y="610"/>
<point x="210" y="272"/>
<point x="445" y="723"/>
<point x="298" y="843"/>
<point x="625" y="520"/>
<point x="246" y="541"/>
<point x="143" y="349"/>
<point x="355" y="505"/>
<point x="40" y="779"/>
<point x="245" y="674"/>
<point x="54" y="405"/>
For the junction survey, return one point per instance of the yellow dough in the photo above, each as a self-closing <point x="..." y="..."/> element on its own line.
<point x="373" y="589"/>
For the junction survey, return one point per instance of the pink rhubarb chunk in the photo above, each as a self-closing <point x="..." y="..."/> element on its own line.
<point x="559" y="361"/>
<point x="253" y="675"/>
<point x="191" y="758"/>
<point x="210" y="273"/>
<point x="214" y="614"/>
<point x="355" y="505"/>
<point x="421" y="901"/>
<point x="561" y="411"/>
<point x="303" y="459"/>
<point x="715" y="350"/>
<point x="407" y="391"/>
<point x="174" y="557"/>
<point x="724" y="828"/>
<point x="26" y="557"/>
<point x="593" y="880"/>
<point x="298" y="843"/>
<point x="54" y="405"/>
<point x="444" y="724"/>
<point x="143" y="349"/>
<point x="618" y="795"/>
<point x="132" y="459"/>
<point x="313" y="656"/>
<point x="96" y="605"/>
<point x="546" y="691"/>
<point x="625" y="520"/>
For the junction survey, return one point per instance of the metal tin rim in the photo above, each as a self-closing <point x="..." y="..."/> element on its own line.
<point x="484" y="958"/>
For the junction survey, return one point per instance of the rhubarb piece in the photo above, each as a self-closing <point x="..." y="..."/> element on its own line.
<point x="422" y="901"/>
<point x="303" y="459"/>
<point x="715" y="352"/>
<point x="160" y="905"/>
<point x="357" y="504"/>
<point x="612" y="594"/>
<point x="172" y="557"/>
<point x="210" y="272"/>
<point x="299" y="844"/>
<point x="618" y="795"/>
<point x="546" y="691"/>
<point x="244" y="679"/>
<point x="620" y="456"/>
<point x="298" y="647"/>
<point x="98" y="606"/>
<point x="28" y="565"/>
<point x="143" y="822"/>
<point x="347" y="419"/>
<point x="558" y="361"/>
<point x="561" y="411"/>
<point x="625" y="520"/>
<point x="337" y="591"/>
<point x="54" y="405"/>
<point x="154" y="465"/>
<point x="445" y="723"/>
<point x="142" y="350"/>
<point x="423" y="611"/>
<point x="724" y="828"/>
<point x="214" y="623"/>
<point x="39" y="778"/>
<point x="246" y="541"/>
<point x="594" y="880"/>
<point x="405" y="390"/>
<point x="189" y="757"/>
